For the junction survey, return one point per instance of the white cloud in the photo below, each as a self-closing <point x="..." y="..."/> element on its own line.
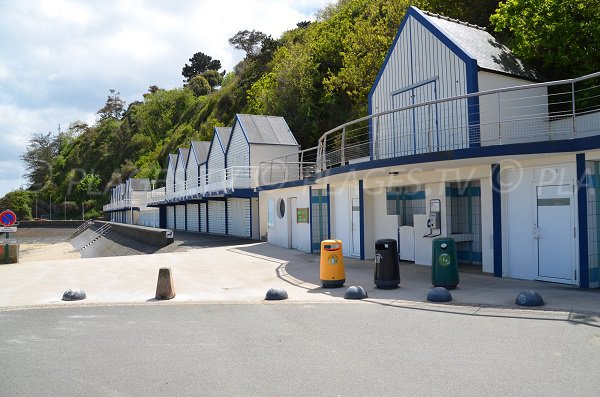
<point x="59" y="58"/>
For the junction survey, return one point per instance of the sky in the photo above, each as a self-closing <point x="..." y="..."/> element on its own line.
<point x="60" y="58"/>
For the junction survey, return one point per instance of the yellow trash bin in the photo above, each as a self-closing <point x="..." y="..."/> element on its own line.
<point x="332" y="274"/>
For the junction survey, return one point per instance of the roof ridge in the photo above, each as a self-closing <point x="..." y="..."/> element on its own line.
<point x="431" y="14"/>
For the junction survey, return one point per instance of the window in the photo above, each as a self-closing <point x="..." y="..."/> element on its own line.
<point x="405" y="202"/>
<point x="280" y="208"/>
<point x="271" y="213"/>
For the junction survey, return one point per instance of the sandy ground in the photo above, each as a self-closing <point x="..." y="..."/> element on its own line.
<point x="34" y="252"/>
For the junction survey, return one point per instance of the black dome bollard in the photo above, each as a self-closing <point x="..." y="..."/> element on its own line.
<point x="439" y="294"/>
<point x="276" y="294"/>
<point x="529" y="298"/>
<point x="74" y="295"/>
<point x="355" y="292"/>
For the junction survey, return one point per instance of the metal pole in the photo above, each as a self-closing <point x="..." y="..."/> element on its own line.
<point x="50" y="207"/>
<point x="573" y="105"/>
<point x="343" y="148"/>
<point x="6" y="247"/>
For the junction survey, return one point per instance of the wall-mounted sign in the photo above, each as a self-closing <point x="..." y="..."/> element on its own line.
<point x="302" y="215"/>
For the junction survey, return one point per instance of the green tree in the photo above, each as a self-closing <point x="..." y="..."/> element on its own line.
<point x="558" y="37"/>
<point x="199" y="63"/>
<point x="113" y="108"/>
<point x="20" y="202"/>
<point x="248" y="41"/>
<point x="199" y="85"/>
<point x="39" y="155"/>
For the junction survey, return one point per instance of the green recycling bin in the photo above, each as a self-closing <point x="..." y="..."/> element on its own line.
<point x="444" y="263"/>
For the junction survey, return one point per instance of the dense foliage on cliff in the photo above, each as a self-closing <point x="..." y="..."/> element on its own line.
<point x="316" y="75"/>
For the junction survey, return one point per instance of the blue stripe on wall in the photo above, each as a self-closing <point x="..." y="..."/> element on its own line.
<point x="361" y="203"/>
<point x="310" y="219"/>
<point x="497" y="219"/>
<point x="392" y="195"/>
<point x="584" y="280"/>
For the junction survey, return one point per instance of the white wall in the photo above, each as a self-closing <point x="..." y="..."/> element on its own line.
<point x="238" y="151"/>
<point x="260" y="153"/>
<point x="417" y="57"/>
<point x="279" y="233"/>
<point x="522" y="114"/>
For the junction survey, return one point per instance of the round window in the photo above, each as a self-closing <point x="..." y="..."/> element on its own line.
<point x="281" y="208"/>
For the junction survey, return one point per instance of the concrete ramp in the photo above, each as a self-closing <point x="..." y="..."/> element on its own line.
<point x="102" y="239"/>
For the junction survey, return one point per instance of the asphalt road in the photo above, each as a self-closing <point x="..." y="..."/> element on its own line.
<point x="287" y="349"/>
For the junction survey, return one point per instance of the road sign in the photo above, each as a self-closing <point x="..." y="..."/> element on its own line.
<point x="8" y="229"/>
<point x="7" y="218"/>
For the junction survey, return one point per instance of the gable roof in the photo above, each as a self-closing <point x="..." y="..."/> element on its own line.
<point x="480" y="45"/>
<point x="266" y="130"/>
<point x="223" y="133"/>
<point x="200" y="150"/>
<point x="183" y="155"/>
<point x="172" y="160"/>
<point x="139" y="184"/>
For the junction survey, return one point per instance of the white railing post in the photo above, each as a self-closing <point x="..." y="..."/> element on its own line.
<point x="574" y="114"/>
<point x="499" y="119"/>
<point x="343" y="148"/>
<point x="285" y="170"/>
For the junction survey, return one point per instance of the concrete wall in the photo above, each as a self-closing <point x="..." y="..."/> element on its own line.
<point x="280" y="232"/>
<point x="147" y="235"/>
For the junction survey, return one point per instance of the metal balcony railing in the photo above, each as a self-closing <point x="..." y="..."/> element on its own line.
<point x="216" y="182"/>
<point x="124" y="204"/>
<point x="540" y="112"/>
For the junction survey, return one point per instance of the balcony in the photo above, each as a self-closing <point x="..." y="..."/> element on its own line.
<point x="218" y="182"/>
<point x="124" y="204"/>
<point x="559" y="110"/>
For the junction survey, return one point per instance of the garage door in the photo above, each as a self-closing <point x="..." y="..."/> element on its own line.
<point x="203" y="217"/>
<point x="170" y="217"/>
<point x="192" y="217"/>
<point x="239" y="217"/>
<point x="180" y="217"/>
<point x="216" y="217"/>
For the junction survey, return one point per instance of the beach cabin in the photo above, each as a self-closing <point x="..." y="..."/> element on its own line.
<point x="253" y="139"/>
<point x="170" y="183"/>
<point x="215" y="181"/>
<point x="195" y="183"/>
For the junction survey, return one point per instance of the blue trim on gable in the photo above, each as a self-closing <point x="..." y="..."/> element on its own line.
<point x="584" y="268"/>
<point x="310" y="218"/>
<point x="361" y="204"/>
<point x="473" y="104"/>
<point x="497" y="219"/>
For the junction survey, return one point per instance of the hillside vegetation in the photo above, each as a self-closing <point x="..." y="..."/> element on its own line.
<point x="316" y="75"/>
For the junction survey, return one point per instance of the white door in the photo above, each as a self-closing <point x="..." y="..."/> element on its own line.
<point x="355" y="225"/>
<point x="239" y="217"/>
<point x="555" y="233"/>
<point x="192" y="217"/>
<point x="180" y="217"/>
<point x="216" y="217"/>
<point x="203" y="219"/>
<point x="406" y="243"/>
<point x="520" y="226"/>
<point x="170" y="217"/>
<point x="293" y="223"/>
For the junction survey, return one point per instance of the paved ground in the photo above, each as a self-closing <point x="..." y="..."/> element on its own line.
<point x="275" y="349"/>
<point x="243" y="273"/>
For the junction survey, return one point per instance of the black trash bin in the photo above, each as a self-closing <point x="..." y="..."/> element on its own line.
<point x="387" y="267"/>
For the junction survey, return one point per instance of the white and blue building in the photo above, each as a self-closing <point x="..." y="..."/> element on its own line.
<point x="462" y="140"/>
<point x="459" y="127"/>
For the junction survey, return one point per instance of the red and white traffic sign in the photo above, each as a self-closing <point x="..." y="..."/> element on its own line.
<point x="7" y="218"/>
